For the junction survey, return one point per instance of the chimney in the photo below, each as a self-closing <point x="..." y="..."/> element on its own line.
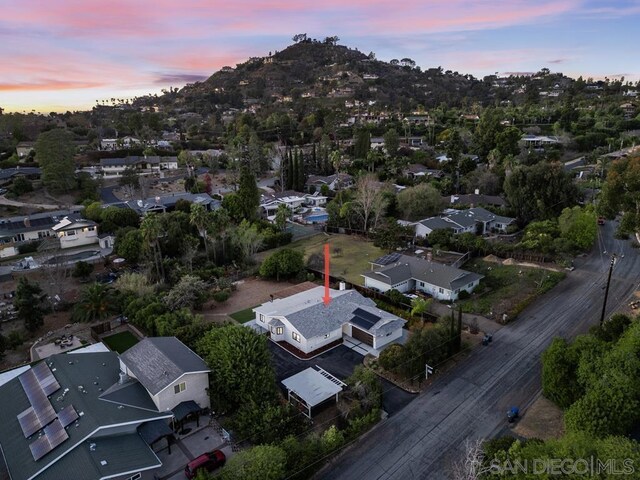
<point x="342" y="286"/>
<point x="429" y="256"/>
<point x="27" y="222"/>
<point x="123" y="378"/>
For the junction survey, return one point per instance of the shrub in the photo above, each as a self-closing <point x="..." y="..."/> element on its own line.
<point x="29" y="247"/>
<point x="463" y="295"/>
<point x="391" y="357"/>
<point x="82" y="270"/>
<point x="221" y="296"/>
<point x="285" y="263"/>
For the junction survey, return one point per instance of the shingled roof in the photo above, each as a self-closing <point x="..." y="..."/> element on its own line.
<point x="157" y="362"/>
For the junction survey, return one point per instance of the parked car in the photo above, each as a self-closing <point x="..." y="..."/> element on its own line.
<point x="207" y="461"/>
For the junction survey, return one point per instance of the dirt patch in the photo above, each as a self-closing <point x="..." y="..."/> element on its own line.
<point x="249" y="293"/>
<point x="543" y="419"/>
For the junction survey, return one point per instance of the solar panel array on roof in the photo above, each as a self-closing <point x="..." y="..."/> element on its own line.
<point x="41" y="412"/>
<point x="54" y="435"/>
<point x="387" y="259"/>
<point x="364" y="319"/>
<point x="67" y="415"/>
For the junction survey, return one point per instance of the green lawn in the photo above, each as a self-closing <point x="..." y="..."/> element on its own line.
<point x="352" y="260"/>
<point x="243" y="316"/>
<point x="120" y="342"/>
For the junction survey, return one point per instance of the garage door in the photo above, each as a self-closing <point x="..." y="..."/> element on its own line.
<point x="364" y="337"/>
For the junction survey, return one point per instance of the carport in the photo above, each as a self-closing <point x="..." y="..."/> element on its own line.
<point x="184" y="410"/>
<point x="311" y="387"/>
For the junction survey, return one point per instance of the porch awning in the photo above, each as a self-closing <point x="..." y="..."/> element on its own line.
<point x="185" y="408"/>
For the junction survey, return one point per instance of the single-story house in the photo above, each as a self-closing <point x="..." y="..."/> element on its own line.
<point x="472" y="220"/>
<point x="167" y="203"/>
<point x="304" y="322"/>
<point x="75" y="232"/>
<point x="7" y="175"/>
<point x="475" y="200"/>
<point x="406" y="274"/>
<point x="335" y="182"/>
<point x="38" y="226"/>
<point x="538" y="140"/>
<point x="119" y="143"/>
<point x="114" y="167"/>
<point x="416" y="170"/>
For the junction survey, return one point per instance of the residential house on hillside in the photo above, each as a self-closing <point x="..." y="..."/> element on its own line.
<point x="114" y="167"/>
<point x="15" y="231"/>
<point x="170" y="372"/>
<point x="7" y="175"/>
<point x="416" y="170"/>
<point x="302" y="323"/>
<point x="529" y="141"/>
<point x="119" y="143"/>
<point x="23" y="149"/>
<point x="472" y="220"/>
<point x="167" y="203"/>
<point x="475" y="200"/>
<point x="75" y="232"/>
<point x="335" y="182"/>
<point x="76" y="417"/>
<point x="406" y="274"/>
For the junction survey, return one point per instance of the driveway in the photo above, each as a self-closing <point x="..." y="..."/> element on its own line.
<point x="107" y="196"/>
<point x="340" y="362"/>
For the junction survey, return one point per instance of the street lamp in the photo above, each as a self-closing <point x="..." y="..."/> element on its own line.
<point x="606" y="292"/>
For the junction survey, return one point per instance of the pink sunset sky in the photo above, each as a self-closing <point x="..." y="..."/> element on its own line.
<point x="58" y="55"/>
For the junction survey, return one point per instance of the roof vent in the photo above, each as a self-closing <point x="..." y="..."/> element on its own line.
<point x="103" y="462"/>
<point x="92" y="447"/>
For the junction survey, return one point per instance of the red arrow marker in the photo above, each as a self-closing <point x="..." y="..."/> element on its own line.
<point x="327" y="294"/>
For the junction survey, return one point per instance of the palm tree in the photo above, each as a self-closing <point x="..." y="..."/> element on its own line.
<point x="97" y="302"/>
<point x="151" y="233"/>
<point x="202" y="221"/>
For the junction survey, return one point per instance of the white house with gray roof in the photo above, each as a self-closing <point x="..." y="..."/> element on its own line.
<point x="169" y="370"/>
<point x="304" y="322"/>
<point x="406" y="274"/>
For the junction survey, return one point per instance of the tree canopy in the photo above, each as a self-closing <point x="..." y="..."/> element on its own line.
<point x="55" y="151"/>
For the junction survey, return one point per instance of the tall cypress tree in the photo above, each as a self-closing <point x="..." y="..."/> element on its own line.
<point x="300" y="172"/>
<point x="290" y="170"/>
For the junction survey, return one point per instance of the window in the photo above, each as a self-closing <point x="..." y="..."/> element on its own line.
<point x="422" y="284"/>
<point x="137" y="476"/>
<point x="470" y="285"/>
<point x="279" y="330"/>
<point x="181" y="387"/>
<point x="296" y="336"/>
<point x="262" y="318"/>
<point x="70" y="232"/>
<point x="441" y="290"/>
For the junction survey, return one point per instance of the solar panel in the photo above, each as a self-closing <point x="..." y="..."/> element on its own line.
<point x="40" y="447"/>
<point x="29" y="422"/>
<point x="45" y="378"/>
<point x="56" y="433"/>
<point x="364" y="319"/>
<point x="388" y="259"/>
<point x="67" y="415"/>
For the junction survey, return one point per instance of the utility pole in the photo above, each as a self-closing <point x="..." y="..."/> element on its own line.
<point x="606" y="292"/>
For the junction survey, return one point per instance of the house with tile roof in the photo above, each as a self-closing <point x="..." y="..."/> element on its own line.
<point x="406" y="274"/>
<point x="305" y="323"/>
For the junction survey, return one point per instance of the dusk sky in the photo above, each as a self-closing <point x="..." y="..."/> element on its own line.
<point x="58" y="55"/>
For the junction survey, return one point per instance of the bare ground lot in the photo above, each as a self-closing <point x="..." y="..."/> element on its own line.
<point x="543" y="419"/>
<point x="249" y="293"/>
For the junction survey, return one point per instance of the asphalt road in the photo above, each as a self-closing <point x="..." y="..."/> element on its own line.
<point x="470" y="402"/>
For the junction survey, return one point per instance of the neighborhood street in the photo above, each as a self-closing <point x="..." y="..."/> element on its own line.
<point x="471" y="401"/>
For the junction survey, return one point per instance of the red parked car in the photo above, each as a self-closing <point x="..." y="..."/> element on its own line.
<point x="207" y="461"/>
